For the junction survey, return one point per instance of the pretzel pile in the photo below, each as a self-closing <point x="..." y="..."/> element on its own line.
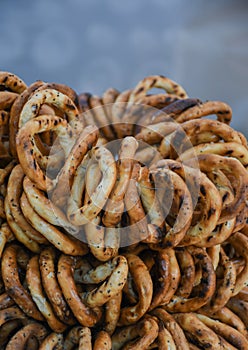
<point x="123" y="219"/>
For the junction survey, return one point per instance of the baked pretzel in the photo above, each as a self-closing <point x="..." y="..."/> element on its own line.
<point x="99" y="197"/>
<point x="54" y="341"/>
<point x="5" y="301"/>
<point x="240" y="308"/>
<point x="12" y="283"/>
<point x="206" y="287"/>
<point x="187" y="269"/>
<point x="63" y="242"/>
<point x="112" y="313"/>
<point x="115" y="205"/>
<point x="51" y="287"/>
<point x="144" y="287"/>
<point x="20" y="340"/>
<point x="136" y="337"/>
<point x="233" y="336"/>
<point x="197" y="332"/>
<point x="116" y="276"/>
<point x="222" y="110"/>
<point x="173" y="328"/>
<point x="12" y="82"/>
<point x="6" y="235"/>
<point x="85" y="315"/>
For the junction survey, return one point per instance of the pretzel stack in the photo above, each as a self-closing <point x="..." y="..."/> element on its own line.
<point x="124" y="219"/>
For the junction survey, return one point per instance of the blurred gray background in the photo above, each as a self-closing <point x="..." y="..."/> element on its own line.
<point x="95" y="44"/>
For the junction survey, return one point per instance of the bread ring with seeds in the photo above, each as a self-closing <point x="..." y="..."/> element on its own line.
<point x="14" y="192"/>
<point x="12" y="283"/>
<point x="20" y="340"/>
<point x="65" y="243"/>
<point x="85" y="315"/>
<point x="233" y="336"/>
<point x="144" y="287"/>
<point x="112" y="313"/>
<point x="187" y="268"/>
<point x="115" y="205"/>
<point x="34" y="283"/>
<point x="206" y="288"/>
<point x="173" y="328"/>
<point x="6" y="235"/>
<point x="136" y="337"/>
<point x="99" y="197"/>
<point x="51" y="286"/>
<point x="12" y="82"/>
<point x="197" y="332"/>
<point x="113" y="283"/>
<point x="222" y="110"/>
<point x="54" y="341"/>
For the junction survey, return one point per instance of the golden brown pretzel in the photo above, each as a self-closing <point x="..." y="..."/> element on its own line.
<point x="240" y="308"/>
<point x="182" y="221"/>
<point x="231" y="335"/>
<point x="187" y="268"/>
<point x="85" y="315"/>
<point x="231" y="168"/>
<point x="138" y="230"/>
<point x="206" y="288"/>
<point x="11" y="313"/>
<point x="102" y="341"/>
<point x="20" y="339"/>
<point x="6" y="235"/>
<point x="144" y="287"/>
<point x="240" y="243"/>
<point x="51" y="286"/>
<point x="5" y="301"/>
<point x="13" y="284"/>
<point x="173" y="327"/>
<point x="7" y="329"/>
<point x="115" y="277"/>
<point x="197" y="332"/>
<point x="112" y="313"/>
<point x="12" y="82"/>
<point x="45" y="207"/>
<point x="34" y="282"/>
<point x="54" y="341"/>
<point x="115" y="205"/>
<point x="14" y="192"/>
<point x="99" y="197"/>
<point x="65" y="243"/>
<point x="136" y="337"/>
<point x="204" y="187"/>
<point x="222" y="110"/>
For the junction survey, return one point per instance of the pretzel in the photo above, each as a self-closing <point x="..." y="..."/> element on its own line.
<point x="102" y="341"/>
<point x="230" y="334"/>
<point x="5" y="301"/>
<point x="197" y="332"/>
<point x="138" y="336"/>
<point x="101" y="117"/>
<point x="228" y="317"/>
<point x="173" y="328"/>
<point x="51" y="286"/>
<point x="86" y="316"/>
<point x="116" y="278"/>
<point x="52" y="341"/>
<point x="174" y="276"/>
<point x="19" y="234"/>
<point x="61" y="241"/>
<point x="187" y="269"/>
<point x="206" y="288"/>
<point x="222" y="110"/>
<point x="14" y="192"/>
<point x="44" y="207"/>
<point x="144" y="287"/>
<point x="118" y="112"/>
<point x="115" y="205"/>
<point x="240" y="308"/>
<point x="10" y="314"/>
<point x="100" y="195"/>
<point x="7" y="329"/>
<point x="13" y="285"/>
<point x="154" y="133"/>
<point x="35" y="287"/>
<point x="6" y="235"/>
<point x="20" y="340"/>
<point x="112" y="313"/>
<point x="161" y="282"/>
<point x="103" y="242"/>
<point x="212" y="201"/>
<point x="185" y="208"/>
<point x="225" y="288"/>
<point x="240" y="243"/>
<point x="12" y="82"/>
